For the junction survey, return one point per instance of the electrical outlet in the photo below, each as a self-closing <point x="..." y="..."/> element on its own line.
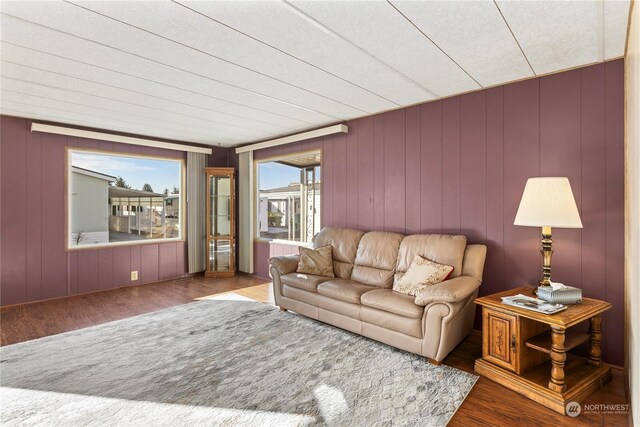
<point x="134" y="275"/>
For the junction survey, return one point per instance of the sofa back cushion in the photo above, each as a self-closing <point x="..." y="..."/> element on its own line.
<point x="441" y="248"/>
<point x="376" y="258"/>
<point x="344" y="244"/>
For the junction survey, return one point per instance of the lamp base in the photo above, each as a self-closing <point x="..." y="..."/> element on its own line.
<point x="547" y="253"/>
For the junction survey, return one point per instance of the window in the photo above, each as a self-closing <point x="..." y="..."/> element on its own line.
<point x="122" y="199"/>
<point x="288" y="205"/>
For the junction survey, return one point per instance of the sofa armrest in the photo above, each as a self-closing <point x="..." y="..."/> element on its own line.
<point x="285" y="264"/>
<point x="452" y="290"/>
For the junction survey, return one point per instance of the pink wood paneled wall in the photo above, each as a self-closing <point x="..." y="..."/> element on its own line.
<point x="459" y="165"/>
<point x="34" y="264"/>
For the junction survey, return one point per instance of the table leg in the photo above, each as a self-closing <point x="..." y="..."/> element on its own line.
<point x="595" y="340"/>
<point x="558" y="357"/>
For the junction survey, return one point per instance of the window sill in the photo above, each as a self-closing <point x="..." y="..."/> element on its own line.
<point x="280" y="242"/>
<point x="120" y="244"/>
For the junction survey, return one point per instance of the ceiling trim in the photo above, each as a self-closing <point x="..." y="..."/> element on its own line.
<point x="61" y="130"/>
<point x="329" y="130"/>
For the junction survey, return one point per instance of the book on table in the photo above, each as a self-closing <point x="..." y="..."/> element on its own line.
<point x="533" y="304"/>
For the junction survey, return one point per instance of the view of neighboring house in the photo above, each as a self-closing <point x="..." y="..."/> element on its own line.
<point x="290" y="212"/>
<point x="89" y="206"/>
<point x="103" y="213"/>
<point x="137" y="214"/>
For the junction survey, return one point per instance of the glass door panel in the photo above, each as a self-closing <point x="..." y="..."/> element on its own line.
<point x="220" y="208"/>
<point x="220" y="255"/>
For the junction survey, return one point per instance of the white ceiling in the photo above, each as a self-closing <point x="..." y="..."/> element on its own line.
<point x="232" y="72"/>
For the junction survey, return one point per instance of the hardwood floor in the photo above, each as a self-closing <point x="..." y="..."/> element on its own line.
<point x="487" y="404"/>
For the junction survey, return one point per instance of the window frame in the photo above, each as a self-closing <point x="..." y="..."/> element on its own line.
<point x="256" y="194"/>
<point x="67" y="200"/>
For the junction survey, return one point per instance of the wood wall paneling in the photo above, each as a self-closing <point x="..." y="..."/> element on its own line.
<point x="614" y="133"/>
<point x="34" y="217"/>
<point x="14" y="211"/>
<point x="431" y="170"/>
<point x="54" y="257"/>
<point x="593" y="153"/>
<point x="351" y="178"/>
<point x="412" y="170"/>
<point x="494" y="272"/>
<point x="366" y="172"/>
<point x="560" y="140"/>
<point x="521" y="161"/>
<point x="394" y="170"/>
<point x="451" y="168"/>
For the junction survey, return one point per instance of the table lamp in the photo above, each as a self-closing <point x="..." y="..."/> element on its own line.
<point x="548" y="202"/>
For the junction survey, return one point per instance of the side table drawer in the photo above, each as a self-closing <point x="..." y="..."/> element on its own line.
<point x="500" y="335"/>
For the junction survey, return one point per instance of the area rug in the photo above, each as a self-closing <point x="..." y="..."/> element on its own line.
<point x="222" y="362"/>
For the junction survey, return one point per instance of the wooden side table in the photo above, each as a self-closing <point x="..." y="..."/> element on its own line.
<point x="518" y="344"/>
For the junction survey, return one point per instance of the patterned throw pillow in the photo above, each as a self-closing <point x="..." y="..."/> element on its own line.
<point x="422" y="273"/>
<point x="316" y="261"/>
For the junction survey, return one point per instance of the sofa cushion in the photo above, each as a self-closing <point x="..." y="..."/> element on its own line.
<point x="327" y="303"/>
<point x="441" y="248"/>
<point x="376" y="258"/>
<point x="316" y="261"/>
<point x="344" y="244"/>
<point x="393" y="302"/>
<point x="391" y="321"/>
<point x="308" y="282"/>
<point x="344" y="290"/>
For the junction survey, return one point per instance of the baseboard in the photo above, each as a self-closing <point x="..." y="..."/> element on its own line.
<point x="184" y="277"/>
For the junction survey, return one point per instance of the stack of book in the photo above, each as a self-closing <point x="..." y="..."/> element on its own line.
<point x="533" y="304"/>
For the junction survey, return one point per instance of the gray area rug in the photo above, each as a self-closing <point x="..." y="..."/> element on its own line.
<point x="222" y="362"/>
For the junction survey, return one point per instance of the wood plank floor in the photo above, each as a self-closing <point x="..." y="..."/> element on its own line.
<point x="487" y="404"/>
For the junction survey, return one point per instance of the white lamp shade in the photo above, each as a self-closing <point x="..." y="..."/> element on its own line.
<point x="548" y="202"/>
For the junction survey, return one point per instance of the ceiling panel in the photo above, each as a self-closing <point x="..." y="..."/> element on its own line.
<point x="474" y="35"/>
<point x="211" y="109"/>
<point x="95" y="104"/>
<point x="34" y="40"/>
<point x="11" y="98"/>
<point x="616" y="15"/>
<point x="71" y="118"/>
<point x="285" y="28"/>
<point x="197" y="31"/>
<point x="554" y="34"/>
<point x="90" y="26"/>
<point x="44" y="61"/>
<point x="378" y="28"/>
<point x="153" y="104"/>
<point x="273" y="69"/>
<point x="233" y="72"/>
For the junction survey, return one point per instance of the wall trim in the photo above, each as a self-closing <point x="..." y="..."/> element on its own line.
<point x="61" y="130"/>
<point x="329" y="130"/>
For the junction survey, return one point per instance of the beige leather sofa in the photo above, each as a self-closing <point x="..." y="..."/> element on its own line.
<point x="360" y="298"/>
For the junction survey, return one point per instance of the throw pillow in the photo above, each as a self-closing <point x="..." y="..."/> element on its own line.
<point x="422" y="273"/>
<point x="316" y="261"/>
